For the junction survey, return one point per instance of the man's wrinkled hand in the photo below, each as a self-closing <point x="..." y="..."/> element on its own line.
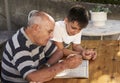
<point x="73" y="60"/>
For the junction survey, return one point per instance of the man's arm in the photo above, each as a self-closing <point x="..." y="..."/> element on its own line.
<point x="45" y="74"/>
<point x="57" y="55"/>
<point x="48" y="73"/>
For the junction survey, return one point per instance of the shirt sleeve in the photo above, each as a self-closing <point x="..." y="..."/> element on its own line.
<point x="57" y="36"/>
<point x="24" y="63"/>
<point x="77" y="39"/>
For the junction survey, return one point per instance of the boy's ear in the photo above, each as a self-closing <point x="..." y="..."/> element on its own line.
<point x="66" y="20"/>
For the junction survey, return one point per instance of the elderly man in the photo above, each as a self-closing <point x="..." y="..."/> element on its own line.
<point x="29" y="50"/>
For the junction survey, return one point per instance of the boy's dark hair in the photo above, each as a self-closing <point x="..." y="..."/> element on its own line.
<point x="80" y="14"/>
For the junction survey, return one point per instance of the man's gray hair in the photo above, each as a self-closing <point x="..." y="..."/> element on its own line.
<point x="32" y="17"/>
<point x="31" y="13"/>
<point x="37" y="17"/>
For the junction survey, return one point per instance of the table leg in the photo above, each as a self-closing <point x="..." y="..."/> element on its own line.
<point x="119" y="37"/>
<point x="101" y="37"/>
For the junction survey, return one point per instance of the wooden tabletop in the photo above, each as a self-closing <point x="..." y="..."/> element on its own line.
<point x="105" y="69"/>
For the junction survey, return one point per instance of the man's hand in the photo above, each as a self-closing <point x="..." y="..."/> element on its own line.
<point x="73" y="60"/>
<point x="89" y="54"/>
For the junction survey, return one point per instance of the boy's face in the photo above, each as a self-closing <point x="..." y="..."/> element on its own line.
<point x="72" y="27"/>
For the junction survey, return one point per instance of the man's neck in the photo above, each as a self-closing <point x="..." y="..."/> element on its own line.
<point x="29" y="33"/>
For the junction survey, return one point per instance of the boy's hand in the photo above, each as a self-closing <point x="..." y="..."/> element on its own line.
<point x="89" y="54"/>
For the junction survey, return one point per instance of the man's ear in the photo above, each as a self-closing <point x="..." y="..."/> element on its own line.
<point x="35" y="27"/>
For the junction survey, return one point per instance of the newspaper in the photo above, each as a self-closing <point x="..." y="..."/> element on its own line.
<point x="82" y="71"/>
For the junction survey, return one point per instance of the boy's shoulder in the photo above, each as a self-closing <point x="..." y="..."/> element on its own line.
<point x="60" y="24"/>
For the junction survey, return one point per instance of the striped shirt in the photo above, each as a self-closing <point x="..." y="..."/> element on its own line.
<point x="22" y="57"/>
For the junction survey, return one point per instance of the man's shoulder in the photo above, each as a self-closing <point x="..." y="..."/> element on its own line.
<point x="17" y="40"/>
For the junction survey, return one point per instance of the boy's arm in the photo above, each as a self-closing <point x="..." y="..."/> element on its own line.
<point x="77" y="47"/>
<point x="66" y="51"/>
<point x="86" y="53"/>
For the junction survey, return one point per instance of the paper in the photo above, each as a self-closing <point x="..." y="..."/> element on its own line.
<point x="80" y="72"/>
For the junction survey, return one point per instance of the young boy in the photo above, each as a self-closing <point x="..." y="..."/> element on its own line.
<point x="68" y="32"/>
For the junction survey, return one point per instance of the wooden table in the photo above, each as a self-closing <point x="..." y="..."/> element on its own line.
<point x="105" y="69"/>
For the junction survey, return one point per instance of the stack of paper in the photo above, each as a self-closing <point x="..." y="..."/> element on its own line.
<point x="82" y="71"/>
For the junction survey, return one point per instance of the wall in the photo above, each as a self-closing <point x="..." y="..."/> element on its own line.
<point x="19" y="10"/>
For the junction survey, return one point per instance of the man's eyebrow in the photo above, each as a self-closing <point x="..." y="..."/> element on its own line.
<point x="50" y="30"/>
<point x="74" y="27"/>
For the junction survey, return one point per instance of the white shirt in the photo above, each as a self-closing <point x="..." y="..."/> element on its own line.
<point x="60" y="34"/>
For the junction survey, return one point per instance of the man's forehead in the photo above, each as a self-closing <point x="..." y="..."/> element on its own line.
<point x="49" y="27"/>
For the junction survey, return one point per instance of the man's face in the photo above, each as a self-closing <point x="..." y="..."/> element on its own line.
<point x="43" y="34"/>
<point x="72" y="28"/>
